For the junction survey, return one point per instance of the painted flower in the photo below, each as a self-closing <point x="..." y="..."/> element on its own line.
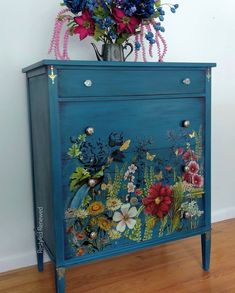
<point x="80" y="235"/>
<point x="104" y="223"/>
<point x="80" y="251"/>
<point x="124" y="22"/>
<point x="179" y="151"/>
<point x="132" y="168"/>
<point x="126" y="175"/>
<point x="134" y="201"/>
<point x="131" y="187"/>
<point x="193" y="167"/>
<point x="138" y="191"/>
<point x="189" y="155"/>
<point x="197" y="180"/>
<point x="158" y="201"/>
<point x="85" y="25"/>
<point x="114" y="234"/>
<point x="95" y="208"/>
<point x="187" y="177"/>
<point x="125" y="218"/>
<point x="80" y="213"/>
<point x="113" y="203"/>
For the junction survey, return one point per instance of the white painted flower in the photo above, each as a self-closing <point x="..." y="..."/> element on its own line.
<point x="131" y="187"/>
<point x="132" y="168"/>
<point x="80" y="213"/>
<point x="113" y="203"/>
<point x="132" y="178"/>
<point x="126" y="175"/>
<point x="125" y="218"/>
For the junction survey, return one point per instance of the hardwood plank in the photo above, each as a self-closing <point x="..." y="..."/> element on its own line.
<point x="174" y="267"/>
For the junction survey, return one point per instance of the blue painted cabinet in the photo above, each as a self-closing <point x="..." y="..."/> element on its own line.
<point x="121" y="157"/>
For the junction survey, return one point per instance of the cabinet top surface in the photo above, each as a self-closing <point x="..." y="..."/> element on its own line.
<point x="118" y="64"/>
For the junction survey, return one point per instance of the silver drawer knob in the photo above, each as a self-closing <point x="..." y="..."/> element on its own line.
<point x="186" y="169"/>
<point x="88" y="83"/>
<point x="187" y="81"/>
<point x="90" y="130"/>
<point x="186" y="123"/>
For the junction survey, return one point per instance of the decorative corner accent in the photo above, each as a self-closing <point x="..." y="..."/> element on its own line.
<point x="60" y="272"/>
<point x="52" y="76"/>
<point x="208" y="74"/>
<point x="208" y="235"/>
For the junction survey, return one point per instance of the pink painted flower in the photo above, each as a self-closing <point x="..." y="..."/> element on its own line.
<point x="187" y="177"/>
<point x="193" y="167"/>
<point x="124" y="22"/>
<point x="189" y="156"/>
<point x="197" y="180"/>
<point x="179" y="151"/>
<point x="85" y="25"/>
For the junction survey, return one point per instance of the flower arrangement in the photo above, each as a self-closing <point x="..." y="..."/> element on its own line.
<point x="126" y="190"/>
<point x="113" y="22"/>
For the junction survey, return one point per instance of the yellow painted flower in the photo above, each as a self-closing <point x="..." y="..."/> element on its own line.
<point x="113" y="203"/>
<point x="95" y="208"/>
<point x="104" y="223"/>
<point x="114" y="234"/>
<point x="93" y="222"/>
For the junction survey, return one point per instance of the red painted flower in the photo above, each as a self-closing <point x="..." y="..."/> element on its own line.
<point x="189" y="156"/>
<point x="187" y="177"/>
<point x="158" y="201"/>
<point x="138" y="191"/>
<point x="197" y="180"/>
<point x="193" y="167"/>
<point x="85" y="25"/>
<point x="124" y="22"/>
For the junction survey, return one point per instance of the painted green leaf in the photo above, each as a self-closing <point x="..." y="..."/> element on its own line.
<point x="74" y="151"/>
<point x="78" y="177"/>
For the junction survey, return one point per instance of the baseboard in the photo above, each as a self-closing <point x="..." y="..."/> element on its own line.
<point x="28" y="259"/>
<point x="223" y="214"/>
<point x="19" y="261"/>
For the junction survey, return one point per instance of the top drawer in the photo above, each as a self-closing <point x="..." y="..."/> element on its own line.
<point x="129" y="81"/>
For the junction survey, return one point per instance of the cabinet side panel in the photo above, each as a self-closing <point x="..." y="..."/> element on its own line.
<point x="40" y="137"/>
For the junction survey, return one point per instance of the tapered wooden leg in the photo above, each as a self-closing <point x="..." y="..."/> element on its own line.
<point x="206" y="250"/>
<point x="60" y="279"/>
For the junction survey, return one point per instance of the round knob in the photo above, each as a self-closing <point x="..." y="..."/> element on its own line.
<point x="92" y="235"/>
<point x="92" y="182"/>
<point x="186" y="123"/>
<point x="88" y="83"/>
<point x="186" y="169"/>
<point x="187" y="81"/>
<point x="89" y="130"/>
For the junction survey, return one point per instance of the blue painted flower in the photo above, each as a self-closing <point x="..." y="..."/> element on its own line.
<point x="75" y="5"/>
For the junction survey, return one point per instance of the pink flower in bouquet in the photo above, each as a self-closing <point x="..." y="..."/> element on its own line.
<point x="124" y="22"/>
<point x="85" y="25"/>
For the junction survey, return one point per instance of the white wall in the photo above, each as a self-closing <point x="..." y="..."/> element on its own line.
<point x="200" y="31"/>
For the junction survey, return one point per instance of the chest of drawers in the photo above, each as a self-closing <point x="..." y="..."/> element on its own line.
<point x="121" y="157"/>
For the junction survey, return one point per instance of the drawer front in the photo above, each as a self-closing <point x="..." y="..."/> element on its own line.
<point x="97" y="82"/>
<point x="135" y="177"/>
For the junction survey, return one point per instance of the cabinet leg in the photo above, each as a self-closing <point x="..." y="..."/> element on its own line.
<point x="60" y="279"/>
<point x="206" y="250"/>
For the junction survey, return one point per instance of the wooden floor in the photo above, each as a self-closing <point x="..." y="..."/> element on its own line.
<point x="174" y="267"/>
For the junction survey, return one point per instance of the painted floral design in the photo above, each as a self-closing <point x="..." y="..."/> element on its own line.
<point x="125" y="218"/>
<point x="135" y="195"/>
<point x="158" y="201"/>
